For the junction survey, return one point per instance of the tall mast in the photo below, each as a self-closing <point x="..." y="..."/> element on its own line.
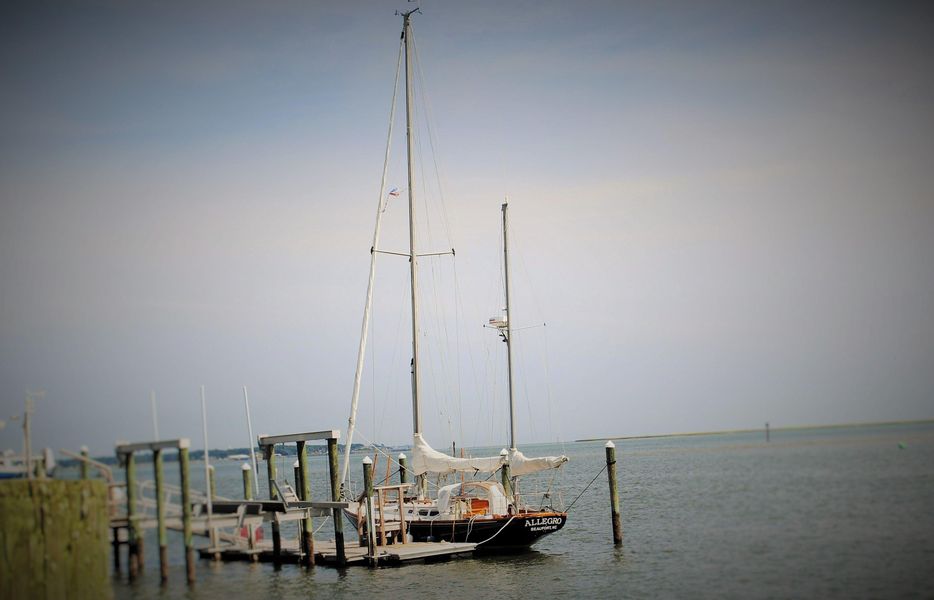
<point x="508" y="332"/>
<point x="413" y="257"/>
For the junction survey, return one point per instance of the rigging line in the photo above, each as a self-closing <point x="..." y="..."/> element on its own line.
<point x="366" y="313"/>
<point x="518" y="250"/>
<point x="528" y="404"/>
<point x="459" y="304"/>
<point x="585" y="489"/>
<point x="457" y="356"/>
<point x="392" y="380"/>
<point x="437" y="317"/>
<point x="429" y="119"/>
<point x="525" y="271"/>
<point x="548" y="398"/>
<point x="444" y="354"/>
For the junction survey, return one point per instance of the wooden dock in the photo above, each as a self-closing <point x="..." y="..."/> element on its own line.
<point x="395" y="553"/>
<point x="326" y="552"/>
<point x="232" y="525"/>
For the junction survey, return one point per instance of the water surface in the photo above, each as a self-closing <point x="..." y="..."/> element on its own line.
<point x="837" y="512"/>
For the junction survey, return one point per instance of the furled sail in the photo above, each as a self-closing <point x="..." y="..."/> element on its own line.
<point x="520" y="464"/>
<point x="426" y="459"/>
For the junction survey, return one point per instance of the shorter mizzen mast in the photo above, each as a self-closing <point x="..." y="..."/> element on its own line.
<point x="519" y="464"/>
<point x="507" y="328"/>
<point x="425" y="459"/>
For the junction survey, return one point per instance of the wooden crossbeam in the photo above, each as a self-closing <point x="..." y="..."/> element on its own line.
<point x="270" y="440"/>
<point x="152" y="446"/>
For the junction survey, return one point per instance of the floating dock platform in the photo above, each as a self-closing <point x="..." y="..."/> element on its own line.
<point x="326" y="553"/>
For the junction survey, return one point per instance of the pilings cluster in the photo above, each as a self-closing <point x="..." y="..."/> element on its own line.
<point x="127" y="455"/>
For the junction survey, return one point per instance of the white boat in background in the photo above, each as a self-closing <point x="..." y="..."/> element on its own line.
<point x="12" y="465"/>
<point x="17" y="466"/>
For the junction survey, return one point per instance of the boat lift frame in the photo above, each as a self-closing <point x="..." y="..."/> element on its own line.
<point x="268" y="444"/>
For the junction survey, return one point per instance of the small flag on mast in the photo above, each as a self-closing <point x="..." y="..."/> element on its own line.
<point x="394" y="192"/>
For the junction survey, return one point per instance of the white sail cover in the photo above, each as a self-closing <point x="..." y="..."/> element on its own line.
<point x="520" y="464"/>
<point x="426" y="459"/>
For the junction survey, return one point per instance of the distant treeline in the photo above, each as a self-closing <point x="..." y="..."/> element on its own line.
<point x="282" y="450"/>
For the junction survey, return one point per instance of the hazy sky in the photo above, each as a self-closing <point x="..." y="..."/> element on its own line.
<point x="722" y="210"/>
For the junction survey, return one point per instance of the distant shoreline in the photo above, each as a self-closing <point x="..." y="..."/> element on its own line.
<point x="759" y="429"/>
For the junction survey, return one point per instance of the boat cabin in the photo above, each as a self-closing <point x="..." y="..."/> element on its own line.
<point x="472" y="499"/>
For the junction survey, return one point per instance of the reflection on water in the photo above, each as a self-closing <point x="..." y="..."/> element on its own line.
<point x="814" y="513"/>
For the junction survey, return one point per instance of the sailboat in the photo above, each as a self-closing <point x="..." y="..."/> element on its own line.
<point x="487" y="512"/>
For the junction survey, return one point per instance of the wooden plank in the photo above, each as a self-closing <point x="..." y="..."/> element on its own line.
<point x="395" y="486"/>
<point x="269" y="440"/>
<point x="330" y="505"/>
<point x="418" y="551"/>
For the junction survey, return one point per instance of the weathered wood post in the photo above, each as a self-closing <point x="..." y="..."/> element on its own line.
<point x="336" y="497"/>
<point x="41" y="472"/>
<point x="403" y="469"/>
<point x="247" y="471"/>
<point x="85" y="453"/>
<point x="213" y="480"/>
<point x="269" y="452"/>
<point x="160" y="515"/>
<point x="54" y="540"/>
<point x="186" y="510"/>
<point x="614" y="493"/>
<point x="304" y="493"/>
<point x="132" y="534"/>
<point x="297" y="478"/>
<point x="370" y="520"/>
<point x="766" y="431"/>
<point x="506" y="475"/>
<point x="115" y="542"/>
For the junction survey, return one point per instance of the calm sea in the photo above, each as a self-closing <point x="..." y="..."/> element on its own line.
<point x="820" y="513"/>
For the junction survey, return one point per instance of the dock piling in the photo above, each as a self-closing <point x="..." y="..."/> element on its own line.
<point x="213" y="481"/>
<point x="247" y="481"/>
<point x="85" y="453"/>
<point x="115" y="542"/>
<point x="160" y="516"/>
<point x="270" y="455"/>
<point x="370" y="520"/>
<point x="403" y="469"/>
<point x="303" y="486"/>
<point x="614" y="493"/>
<point x="335" y="497"/>
<point x="186" y="513"/>
<point x="247" y="471"/>
<point x="132" y="541"/>
<point x="766" y="431"/>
